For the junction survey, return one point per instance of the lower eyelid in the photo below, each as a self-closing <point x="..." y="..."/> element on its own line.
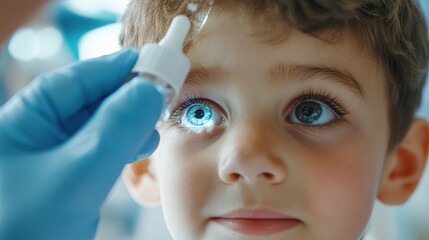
<point x="321" y="130"/>
<point x="318" y="134"/>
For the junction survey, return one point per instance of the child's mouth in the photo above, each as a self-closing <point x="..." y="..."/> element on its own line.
<point x="257" y="222"/>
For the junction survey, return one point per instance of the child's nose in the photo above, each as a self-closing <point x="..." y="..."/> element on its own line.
<point x="251" y="169"/>
<point x="251" y="157"/>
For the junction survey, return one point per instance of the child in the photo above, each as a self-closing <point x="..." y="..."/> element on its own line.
<point x="296" y="116"/>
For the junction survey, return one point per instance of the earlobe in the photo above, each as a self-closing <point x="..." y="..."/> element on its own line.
<point x="405" y="165"/>
<point x="141" y="182"/>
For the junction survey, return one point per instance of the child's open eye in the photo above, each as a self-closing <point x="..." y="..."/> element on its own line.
<point x="312" y="112"/>
<point x="198" y="115"/>
<point x="201" y="115"/>
<point x="313" y="109"/>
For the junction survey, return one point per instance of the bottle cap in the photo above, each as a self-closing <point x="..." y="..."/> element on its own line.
<point x="166" y="59"/>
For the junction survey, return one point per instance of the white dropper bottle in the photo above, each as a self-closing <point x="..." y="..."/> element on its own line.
<point x="164" y="63"/>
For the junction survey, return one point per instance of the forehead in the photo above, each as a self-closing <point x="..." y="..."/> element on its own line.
<point x="243" y="22"/>
<point x="270" y="23"/>
<point x="230" y="42"/>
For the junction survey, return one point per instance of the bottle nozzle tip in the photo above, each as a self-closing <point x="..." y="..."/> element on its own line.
<point x="177" y="32"/>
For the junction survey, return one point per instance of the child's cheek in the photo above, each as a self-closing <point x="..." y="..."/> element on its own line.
<point x="185" y="182"/>
<point x="341" y="188"/>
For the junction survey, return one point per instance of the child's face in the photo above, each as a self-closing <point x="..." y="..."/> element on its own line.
<point x="295" y="131"/>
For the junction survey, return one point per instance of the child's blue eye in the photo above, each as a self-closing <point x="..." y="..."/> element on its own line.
<point x="198" y="115"/>
<point x="312" y="112"/>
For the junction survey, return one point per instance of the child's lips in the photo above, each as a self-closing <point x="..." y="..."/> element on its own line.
<point x="257" y="222"/>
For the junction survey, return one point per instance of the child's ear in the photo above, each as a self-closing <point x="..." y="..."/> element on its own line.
<point x="405" y="165"/>
<point x="140" y="179"/>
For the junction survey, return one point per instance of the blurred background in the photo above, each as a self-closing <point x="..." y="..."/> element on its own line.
<point x="70" y="30"/>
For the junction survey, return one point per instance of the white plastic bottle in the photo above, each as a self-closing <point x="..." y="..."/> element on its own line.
<point x="164" y="63"/>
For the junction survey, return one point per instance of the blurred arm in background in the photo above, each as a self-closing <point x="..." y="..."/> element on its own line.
<point x="14" y="14"/>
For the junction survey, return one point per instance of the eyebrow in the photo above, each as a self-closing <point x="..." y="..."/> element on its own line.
<point x="201" y="75"/>
<point x="281" y="72"/>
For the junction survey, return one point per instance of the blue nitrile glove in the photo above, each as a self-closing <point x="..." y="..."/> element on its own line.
<point x="64" y="141"/>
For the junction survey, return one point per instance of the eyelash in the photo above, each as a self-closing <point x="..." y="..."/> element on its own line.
<point x="183" y="104"/>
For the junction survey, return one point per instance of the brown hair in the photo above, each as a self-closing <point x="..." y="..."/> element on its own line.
<point x="394" y="30"/>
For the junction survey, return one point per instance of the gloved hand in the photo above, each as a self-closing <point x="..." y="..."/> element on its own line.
<point x="64" y="141"/>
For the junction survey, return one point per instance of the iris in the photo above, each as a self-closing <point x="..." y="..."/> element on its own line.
<point x="199" y="115"/>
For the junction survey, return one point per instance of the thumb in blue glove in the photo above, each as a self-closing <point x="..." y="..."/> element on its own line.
<point x="64" y="141"/>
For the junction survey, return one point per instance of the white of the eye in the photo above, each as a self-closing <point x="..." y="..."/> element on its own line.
<point x="326" y="116"/>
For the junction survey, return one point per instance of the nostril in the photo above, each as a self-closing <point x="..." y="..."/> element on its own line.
<point x="268" y="176"/>
<point x="233" y="177"/>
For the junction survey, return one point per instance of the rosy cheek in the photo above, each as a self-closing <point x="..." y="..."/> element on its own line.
<point x="341" y="187"/>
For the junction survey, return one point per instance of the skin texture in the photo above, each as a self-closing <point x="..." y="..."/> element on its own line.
<point x="327" y="177"/>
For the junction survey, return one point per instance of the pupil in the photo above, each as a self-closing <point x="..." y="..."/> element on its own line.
<point x="199" y="114"/>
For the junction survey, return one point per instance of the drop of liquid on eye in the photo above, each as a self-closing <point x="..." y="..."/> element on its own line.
<point x="192" y="7"/>
<point x="198" y="12"/>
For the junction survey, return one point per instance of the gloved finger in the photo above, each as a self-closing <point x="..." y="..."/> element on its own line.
<point x="74" y="122"/>
<point x="149" y="147"/>
<point x="62" y="93"/>
<point x="29" y="129"/>
<point x="36" y="117"/>
<point x="77" y="120"/>
<point x="122" y="124"/>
